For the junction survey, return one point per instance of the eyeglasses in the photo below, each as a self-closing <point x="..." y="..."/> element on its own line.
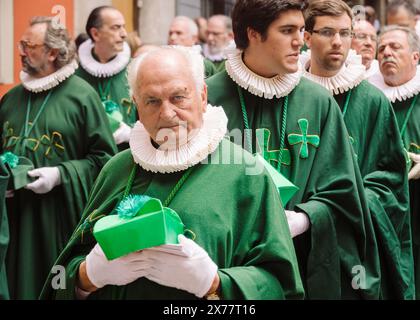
<point x="364" y="36"/>
<point x="330" y="33"/>
<point x="23" y="46"/>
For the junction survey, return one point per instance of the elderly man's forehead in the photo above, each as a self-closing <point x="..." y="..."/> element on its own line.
<point x="394" y="36"/>
<point x="35" y="32"/>
<point x="364" y="26"/>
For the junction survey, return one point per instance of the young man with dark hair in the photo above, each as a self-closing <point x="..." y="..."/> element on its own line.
<point x="374" y="136"/>
<point x="299" y="128"/>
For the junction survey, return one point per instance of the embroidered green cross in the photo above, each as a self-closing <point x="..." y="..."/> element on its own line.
<point x="304" y="139"/>
<point x="272" y="156"/>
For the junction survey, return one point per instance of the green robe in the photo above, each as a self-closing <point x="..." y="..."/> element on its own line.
<point x="330" y="192"/>
<point x="377" y="143"/>
<point x="71" y="134"/>
<point x="4" y="232"/>
<point x="119" y="92"/>
<point x="209" y="68"/>
<point x="237" y="218"/>
<point x="219" y="66"/>
<point x="411" y="139"/>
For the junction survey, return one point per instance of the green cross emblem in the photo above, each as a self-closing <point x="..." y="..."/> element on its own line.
<point x="272" y="156"/>
<point x="304" y="139"/>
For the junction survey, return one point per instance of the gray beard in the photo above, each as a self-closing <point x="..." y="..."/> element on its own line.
<point x="28" y="68"/>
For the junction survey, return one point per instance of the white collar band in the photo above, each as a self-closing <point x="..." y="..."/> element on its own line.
<point x="103" y="70"/>
<point x="402" y="92"/>
<point x="278" y="86"/>
<point x="185" y="156"/>
<point x="37" y="85"/>
<point x="350" y="75"/>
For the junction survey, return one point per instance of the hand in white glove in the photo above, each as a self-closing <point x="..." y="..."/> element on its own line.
<point x="48" y="178"/>
<point x="194" y="272"/>
<point x="414" y="173"/>
<point x="118" y="272"/>
<point x="122" y="134"/>
<point x="298" y="222"/>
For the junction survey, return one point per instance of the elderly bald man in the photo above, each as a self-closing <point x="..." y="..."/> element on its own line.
<point x="243" y="247"/>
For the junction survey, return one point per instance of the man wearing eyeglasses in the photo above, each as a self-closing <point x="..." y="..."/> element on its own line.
<point x="56" y="121"/>
<point x="374" y="135"/>
<point x="103" y="64"/>
<point x="399" y="79"/>
<point x="296" y="126"/>
<point x="364" y="42"/>
<point x="219" y="36"/>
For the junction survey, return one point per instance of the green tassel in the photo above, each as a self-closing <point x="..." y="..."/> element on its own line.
<point x="130" y="205"/>
<point x="10" y="158"/>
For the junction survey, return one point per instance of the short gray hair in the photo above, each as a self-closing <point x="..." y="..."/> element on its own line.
<point x="192" y="26"/>
<point x="226" y="20"/>
<point x="413" y="39"/>
<point x="194" y="59"/>
<point x="57" y="37"/>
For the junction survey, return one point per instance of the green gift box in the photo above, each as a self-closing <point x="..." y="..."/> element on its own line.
<point x="141" y="222"/>
<point x="18" y="168"/>
<point x="286" y="188"/>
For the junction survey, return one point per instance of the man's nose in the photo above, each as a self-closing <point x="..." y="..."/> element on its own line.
<point x="166" y="110"/>
<point x="336" y="40"/>
<point x="123" y="33"/>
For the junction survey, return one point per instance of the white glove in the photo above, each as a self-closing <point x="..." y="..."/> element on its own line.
<point x="122" y="134"/>
<point x="194" y="272"/>
<point x="414" y="173"/>
<point x="118" y="272"/>
<point x="48" y="178"/>
<point x="298" y="222"/>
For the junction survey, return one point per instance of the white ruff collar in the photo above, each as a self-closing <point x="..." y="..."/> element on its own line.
<point x="194" y="151"/>
<point x="350" y="75"/>
<point x="103" y="70"/>
<point x="46" y="83"/>
<point x="402" y="92"/>
<point x="279" y="86"/>
<point x="374" y="69"/>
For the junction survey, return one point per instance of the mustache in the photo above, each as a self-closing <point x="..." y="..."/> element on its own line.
<point x="390" y="59"/>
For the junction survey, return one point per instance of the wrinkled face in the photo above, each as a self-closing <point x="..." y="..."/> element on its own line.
<point x="280" y="50"/>
<point x="401" y="18"/>
<point x="169" y="105"/>
<point x="180" y="34"/>
<point x="397" y="61"/>
<point x="365" y="41"/>
<point x="34" y="54"/>
<point x="330" y="41"/>
<point x="217" y="35"/>
<point x="112" y="34"/>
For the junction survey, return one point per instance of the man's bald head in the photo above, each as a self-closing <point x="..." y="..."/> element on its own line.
<point x="160" y="59"/>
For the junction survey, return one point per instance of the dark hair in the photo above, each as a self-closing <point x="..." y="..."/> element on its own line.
<point x="82" y="37"/>
<point x="393" y="7"/>
<point x="258" y="15"/>
<point x="320" y="8"/>
<point x="95" y="19"/>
